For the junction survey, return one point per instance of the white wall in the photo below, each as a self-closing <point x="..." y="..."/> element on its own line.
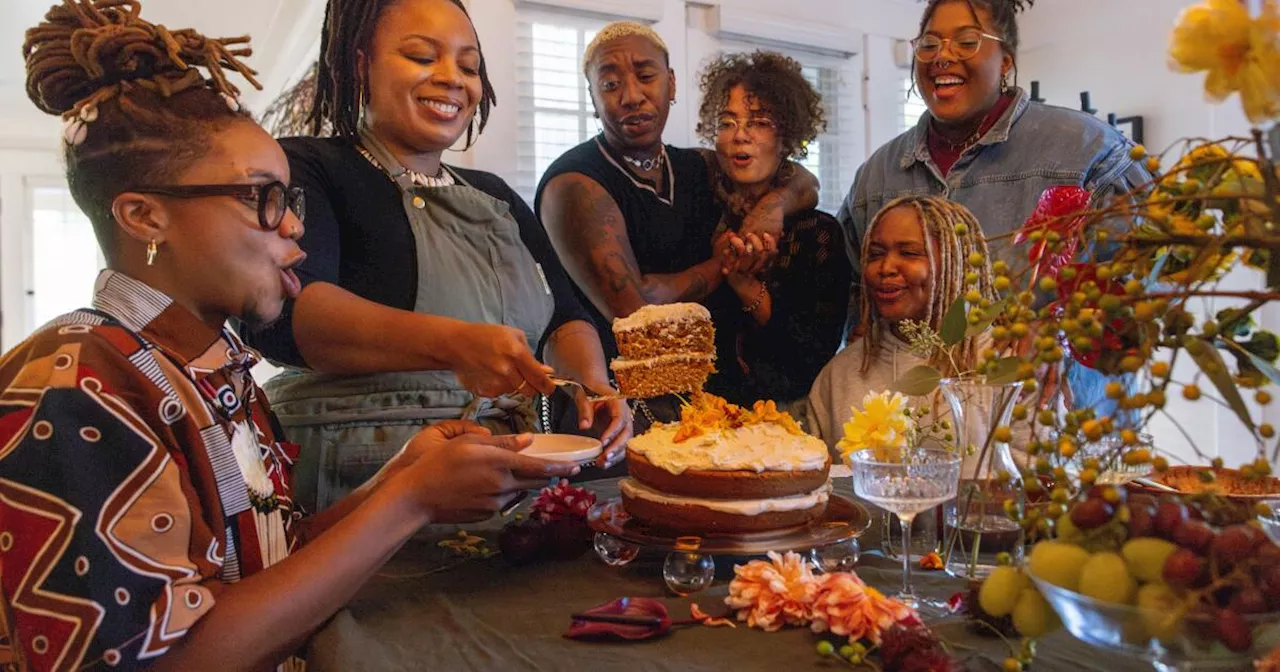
<point x="17" y="167"/>
<point x="1118" y="51"/>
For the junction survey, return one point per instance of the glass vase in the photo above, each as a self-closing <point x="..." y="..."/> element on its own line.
<point x="977" y="526"/>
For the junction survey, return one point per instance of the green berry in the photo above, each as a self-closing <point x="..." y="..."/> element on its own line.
<point x="847" y="651"/>
<point x="825" y="648"/>
<point x="961" y="230"/>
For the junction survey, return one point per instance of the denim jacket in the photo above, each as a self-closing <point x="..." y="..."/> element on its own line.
<point x="1032" y="147"/>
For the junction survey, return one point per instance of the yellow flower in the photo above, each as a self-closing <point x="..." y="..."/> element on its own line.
<point x="1247" y="168"/>
<point x="1212" y="268"/>
<point x="1208" y="157"/>
<point x="1183" y="226"/>
<point x="882" y="426"/>
<point x="1240" y="53"/>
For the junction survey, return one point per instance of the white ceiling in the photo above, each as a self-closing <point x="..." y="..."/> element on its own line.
<point x="285" y="37"/>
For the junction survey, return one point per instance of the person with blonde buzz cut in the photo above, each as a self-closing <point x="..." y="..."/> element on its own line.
<point x="632" y="218"/>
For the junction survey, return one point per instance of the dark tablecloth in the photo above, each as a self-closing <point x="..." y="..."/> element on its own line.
<point x="486" y="615"/>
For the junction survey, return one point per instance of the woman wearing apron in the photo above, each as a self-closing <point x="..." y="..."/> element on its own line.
<point x="427" y="289"/>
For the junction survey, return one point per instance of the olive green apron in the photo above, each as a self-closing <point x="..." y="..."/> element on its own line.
<point x="472" y="266"/>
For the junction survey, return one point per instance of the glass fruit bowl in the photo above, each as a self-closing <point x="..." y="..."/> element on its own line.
<point x="1159" y="636"/>
<point x="1270" y="522"/>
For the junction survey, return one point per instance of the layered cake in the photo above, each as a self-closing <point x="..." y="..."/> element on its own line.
<point x="667" y="349"/>
<point x="727" y="469"/>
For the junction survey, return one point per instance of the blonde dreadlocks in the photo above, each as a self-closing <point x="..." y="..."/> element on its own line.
<point x="949" y="254"/>
<point x="137" y="106"/>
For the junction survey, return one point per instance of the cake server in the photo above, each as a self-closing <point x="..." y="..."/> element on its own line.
<point x="591" y="396"/>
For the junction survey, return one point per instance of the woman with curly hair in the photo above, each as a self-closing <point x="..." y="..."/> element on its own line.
<point x="788" y="306"/>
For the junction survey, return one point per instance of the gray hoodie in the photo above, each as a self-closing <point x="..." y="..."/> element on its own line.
<point x="841" y="385"/>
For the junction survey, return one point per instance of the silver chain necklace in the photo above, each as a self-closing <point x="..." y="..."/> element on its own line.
<point x="648" y="165"/>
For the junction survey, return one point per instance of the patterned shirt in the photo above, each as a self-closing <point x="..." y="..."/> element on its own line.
<point x="124" y="507"/>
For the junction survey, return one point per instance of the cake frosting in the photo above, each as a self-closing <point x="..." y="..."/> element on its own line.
<point x="755" y="447"/>
<point x="660" y="360"/>
<point x="747" y="507"/>
<point x="653" y="314"/>
<point x="726" y="469"/>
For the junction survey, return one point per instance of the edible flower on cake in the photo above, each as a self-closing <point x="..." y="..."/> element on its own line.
<point x="708" y="413"/>
<point x="715" y="435"/>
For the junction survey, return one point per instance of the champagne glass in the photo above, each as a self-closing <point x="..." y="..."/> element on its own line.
<point x="922" y="481"/>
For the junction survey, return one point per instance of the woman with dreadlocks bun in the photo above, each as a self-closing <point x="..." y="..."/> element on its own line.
<point x="429" y="288"/>
<point x="913" y="268"/>
<point x="147" y="514"/>
<point x="984" y="144"/>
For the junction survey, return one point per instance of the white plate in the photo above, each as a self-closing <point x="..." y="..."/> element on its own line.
<point x="564" y="448"/>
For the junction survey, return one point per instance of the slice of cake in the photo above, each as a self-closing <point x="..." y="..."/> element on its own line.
<point x="665" y="349"/>
<point x="726" y="469"/>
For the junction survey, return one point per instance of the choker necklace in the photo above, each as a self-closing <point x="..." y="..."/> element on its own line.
<point x="648" y="165"/>
<point x="441" y="179"/>
<point x="963" y="144"/>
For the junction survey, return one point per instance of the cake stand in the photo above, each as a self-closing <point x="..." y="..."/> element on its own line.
<point x="830" y="542"/>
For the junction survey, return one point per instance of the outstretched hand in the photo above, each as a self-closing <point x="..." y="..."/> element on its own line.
<point x="462" y="475"/>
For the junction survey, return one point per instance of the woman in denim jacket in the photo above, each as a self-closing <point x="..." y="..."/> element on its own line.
<point x="985" y="145"/>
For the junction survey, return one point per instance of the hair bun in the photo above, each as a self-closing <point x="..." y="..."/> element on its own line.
<point x="84" y="47"/>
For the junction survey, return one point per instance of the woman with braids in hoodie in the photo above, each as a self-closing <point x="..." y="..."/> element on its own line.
<point x="146" y="514"/>
<point x="913" y="265"/>
<point x="984" y="144"/>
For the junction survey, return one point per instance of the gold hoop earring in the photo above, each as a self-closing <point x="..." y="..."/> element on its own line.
<point x="151" y="252"/>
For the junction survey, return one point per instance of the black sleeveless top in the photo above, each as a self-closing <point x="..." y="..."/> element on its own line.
<point x="669" y="229"/>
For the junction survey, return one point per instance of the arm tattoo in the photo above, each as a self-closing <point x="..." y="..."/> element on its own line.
<point x="598" y="242"/>
<point x="697" y="288"/>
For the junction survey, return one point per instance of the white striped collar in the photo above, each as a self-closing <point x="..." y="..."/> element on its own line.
<point x="138" y="307"/>
<point x="134" y="303"/>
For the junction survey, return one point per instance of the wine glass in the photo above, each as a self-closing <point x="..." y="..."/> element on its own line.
<point x="924" y="479"/>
